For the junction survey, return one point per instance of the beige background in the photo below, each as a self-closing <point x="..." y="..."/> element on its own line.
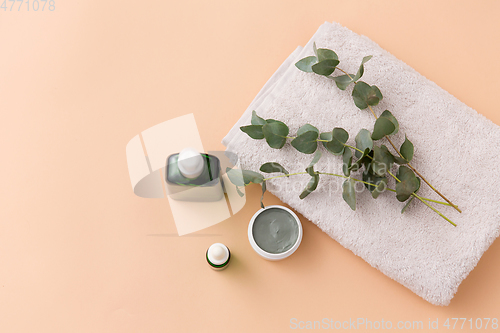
<point x="79" y="252"/>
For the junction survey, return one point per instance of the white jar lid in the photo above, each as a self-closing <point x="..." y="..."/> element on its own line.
<point x="218" y="253"/>
<point x="190" y="163"/>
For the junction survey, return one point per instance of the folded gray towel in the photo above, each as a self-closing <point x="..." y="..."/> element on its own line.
<point x="456" y="149"/>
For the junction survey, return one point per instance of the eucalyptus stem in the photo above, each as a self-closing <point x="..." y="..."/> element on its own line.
<point x="374" y="185"/>
<point x="434" y="209"/>
<point x="276" y="133"/>
<point x="399" y="153"/>
<point x="422" y="199"/>
<point x="418" y="173"/>
<point x="362" y="152"/>
<point x="355" y="179"/>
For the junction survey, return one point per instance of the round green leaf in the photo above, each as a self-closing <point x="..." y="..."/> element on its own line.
<point x="359" y="94"/>
<point x="325" y="67"/>
<point x="271" y="167"/>
<point x="307" y="128"/>
<point x="375" y="96"/>
<point x="241" y="177"/>
<point x="235" y="176"/>
<point x="408" y="184"/>
<point x="343" y="81"/>
<point x="349" y="193"/>
<point x="387" y="114"/>
<point x="336" y="140"/>
<point x="407" y="150"/>
<point x="306" y="143"/>
<point x="340" y="134"/>
<point x="363" y="95"/>
<point x="326" y="136"/>
<point x="253" y="131"/>
<point x="275" y="133"/>
<point x="252" y="177"/>
<point x="383" y="127"/>
<point x="324" y="54"/>
<point x="306" y="64"/>
<point x="363" y="141"/>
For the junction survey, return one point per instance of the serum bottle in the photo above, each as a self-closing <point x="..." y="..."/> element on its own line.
<point x="191" y="176"/>
<point x="218" y="256"/>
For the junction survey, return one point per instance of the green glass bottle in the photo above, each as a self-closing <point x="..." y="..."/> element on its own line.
<point x="191" y="176"/>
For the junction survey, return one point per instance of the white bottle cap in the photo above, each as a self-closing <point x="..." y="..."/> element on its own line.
<point x="190" y="163"/>
<point x="218" y="253"/>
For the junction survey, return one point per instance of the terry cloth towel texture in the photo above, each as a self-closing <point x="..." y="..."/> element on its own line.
<point x="456" y="149"/>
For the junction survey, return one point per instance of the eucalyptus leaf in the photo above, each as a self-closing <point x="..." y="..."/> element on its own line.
<point x="241" y="194"/>
<point x="361" y="69"/>
<point x="407" y="150"/>
<point x="347" y="162"/>
<point x="399" y="160"/>
<point x="362" y="160"/>
<point x="326" y="136"/>
<point x="241" y="177"/>
<point x="363" y="141"/>
<point x="408" y="184"/>
<point x="324" y="54"/>
<point x="306" y="143"/>
<point x="235" y="176"/>
<point x="336" y="140"/>
<point x="363" y="95"/>
<point x="264" y="187"/>
<point x="343" y="81"/>
<point x="256" y="120"/>
<point x="382" y="160"/>
<point x="367" y="160"/>
<point x="252" y="177"/>
<point x="379" y="182"/>
<point x="325" y="67"/>
<point x="306" y="64"/>
<point x="387" y="114"/>
<point x="310" y="167"/>
<point x="271" y="167"/>
<point x="383" y="127"/>
<point x="253" y="131"/>
<point x="275" y="133"/>
<point x="311" y="186"/>
<point x="407" y="204"/>
<point x="349" y="193"/>
<point x="315" y="49"/>
<point x="315" y="159"/>
<point x="306" y="128"/>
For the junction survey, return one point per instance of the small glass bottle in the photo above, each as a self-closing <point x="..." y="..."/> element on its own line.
<point x="191" y="176"/>
<point x="218" y="256"/>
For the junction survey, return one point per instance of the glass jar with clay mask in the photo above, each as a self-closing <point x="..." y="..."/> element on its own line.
<point x="275" y="232"/>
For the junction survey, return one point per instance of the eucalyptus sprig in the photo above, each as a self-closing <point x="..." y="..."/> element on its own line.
<point x="325" y="62"/>
<point x="377" y="161"/>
